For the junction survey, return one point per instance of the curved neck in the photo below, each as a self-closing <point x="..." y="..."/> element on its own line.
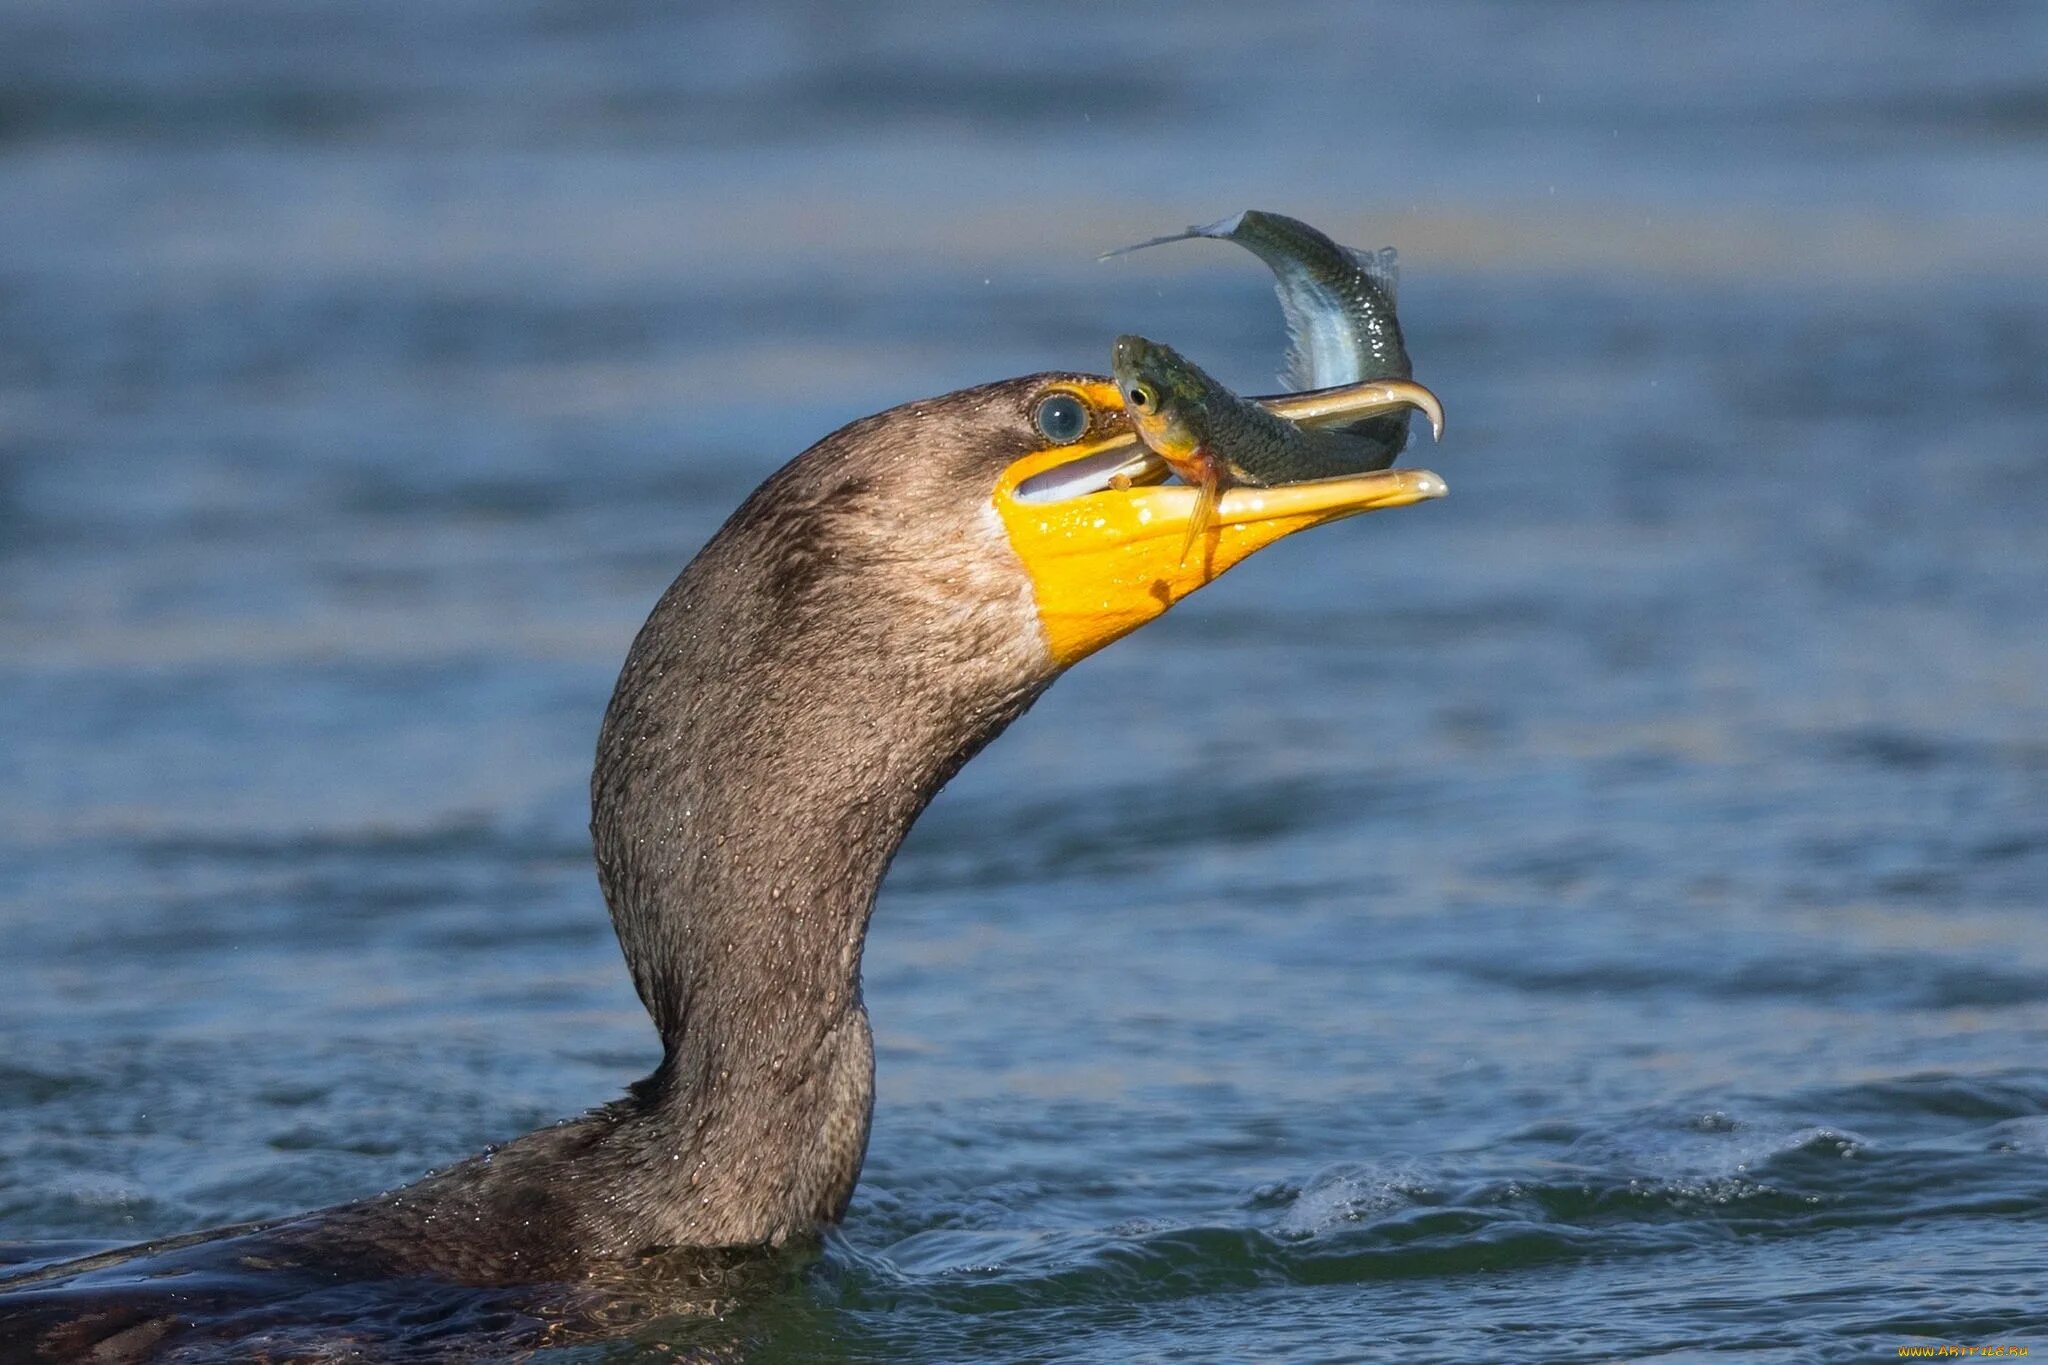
<point x="774" y="732"/>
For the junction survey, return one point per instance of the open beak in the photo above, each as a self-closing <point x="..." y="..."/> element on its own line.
<point x="1101" y="537"/>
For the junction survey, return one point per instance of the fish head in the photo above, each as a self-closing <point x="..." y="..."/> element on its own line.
<point x="1167" y="396"/>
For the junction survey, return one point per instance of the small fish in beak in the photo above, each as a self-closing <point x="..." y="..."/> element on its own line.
<point x="1215" y="440"/>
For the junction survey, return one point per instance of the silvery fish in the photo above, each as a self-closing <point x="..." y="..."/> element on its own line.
<point x="1339" y="305"/>
<point x="1215" y="440"/>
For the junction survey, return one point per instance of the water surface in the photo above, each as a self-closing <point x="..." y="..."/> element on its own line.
<point x="1595" y="916"/>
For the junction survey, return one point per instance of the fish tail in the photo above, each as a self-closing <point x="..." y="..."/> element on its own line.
<point x="1222" y="228"/>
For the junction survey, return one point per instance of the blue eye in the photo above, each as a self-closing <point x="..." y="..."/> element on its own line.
<point x="1061" y="418"/>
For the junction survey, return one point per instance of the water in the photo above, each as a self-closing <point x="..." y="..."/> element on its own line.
<point x="1596" y="916"/>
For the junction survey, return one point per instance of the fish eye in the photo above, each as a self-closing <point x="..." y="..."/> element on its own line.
<point x="1141" y="397"/>
<point x="1060" y="418"/>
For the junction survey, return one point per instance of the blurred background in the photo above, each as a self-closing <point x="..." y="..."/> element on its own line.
<point x="1598" y="915"/>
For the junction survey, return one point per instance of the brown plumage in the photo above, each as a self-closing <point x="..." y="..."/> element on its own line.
<point x="856" y="631"/>
<point x="869" y="618"/>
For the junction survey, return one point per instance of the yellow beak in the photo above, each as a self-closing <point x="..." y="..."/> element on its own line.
<point x="1105" y="562"/>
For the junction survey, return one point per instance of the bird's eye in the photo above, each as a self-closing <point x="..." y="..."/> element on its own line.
<point x="1061" y="418"/>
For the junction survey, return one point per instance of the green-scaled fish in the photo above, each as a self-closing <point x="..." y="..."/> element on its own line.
<point x="1216" y="440"/>
<point x="1339" y="306"/>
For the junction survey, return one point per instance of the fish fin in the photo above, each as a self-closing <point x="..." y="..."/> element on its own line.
<point x="1298" y="370"/>
<point x="1222" y="228"/>
<point x="1209" y="491"/>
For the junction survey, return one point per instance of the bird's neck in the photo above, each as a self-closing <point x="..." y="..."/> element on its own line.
<point x="756" y="773"/>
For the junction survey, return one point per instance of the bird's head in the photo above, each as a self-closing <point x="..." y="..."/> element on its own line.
<point x="879" y="608"/>
<point x="1100" y="535"/>
<point x="1037" y="491"/>
<point x="994" y="536"/>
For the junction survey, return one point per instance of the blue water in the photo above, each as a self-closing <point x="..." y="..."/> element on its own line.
<point x="1597" y="916"/>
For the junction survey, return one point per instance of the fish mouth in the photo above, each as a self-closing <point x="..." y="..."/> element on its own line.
<point x="1100" y="533"/>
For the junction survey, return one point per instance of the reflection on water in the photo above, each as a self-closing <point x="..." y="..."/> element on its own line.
<point x="1594" y="915"/>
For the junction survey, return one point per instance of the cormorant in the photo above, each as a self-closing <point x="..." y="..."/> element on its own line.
<point x="871" y="616"/>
